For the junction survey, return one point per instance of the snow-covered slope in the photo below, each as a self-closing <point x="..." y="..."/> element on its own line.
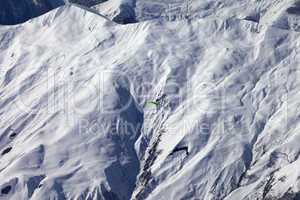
<point x="17" y="11"/>
<point x="203" y="106"/>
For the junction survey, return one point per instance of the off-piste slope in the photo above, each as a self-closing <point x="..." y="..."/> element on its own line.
<point x="18" y="11"/>
<point x="200" y="108"/>
<point x="63" y="136"/>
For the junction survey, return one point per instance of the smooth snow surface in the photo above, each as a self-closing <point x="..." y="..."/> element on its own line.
<point x="179" y="105"/>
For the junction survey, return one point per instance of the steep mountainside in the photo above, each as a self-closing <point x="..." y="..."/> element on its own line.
<point x="18" y="11"/>
<point x="195" y="100"/>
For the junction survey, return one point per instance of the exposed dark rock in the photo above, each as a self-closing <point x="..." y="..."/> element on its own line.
<point x="7" y="150"/>
<point x="295" y="9"/>
<point x="13" y="135"/>
<point x="254" y="17"/>
<point x="126" y="15"/>
<point x="6" y="190"/>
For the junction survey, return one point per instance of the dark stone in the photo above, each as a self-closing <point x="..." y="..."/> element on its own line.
<point x="186" y="149"/>
<point x="6" y="190"/>
<point x="294" y="10"/>
<point x="13" y="135"/>
<point x="253" y="18"/>
<point x="7" y="150"/>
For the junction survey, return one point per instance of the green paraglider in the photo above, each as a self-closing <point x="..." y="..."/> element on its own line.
<point x="153" y="103"/>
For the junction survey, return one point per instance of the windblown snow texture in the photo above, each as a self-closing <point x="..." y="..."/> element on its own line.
<point x="75" y="122"/>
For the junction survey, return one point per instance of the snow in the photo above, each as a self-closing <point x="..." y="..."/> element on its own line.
<point x="74" y="118"/>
